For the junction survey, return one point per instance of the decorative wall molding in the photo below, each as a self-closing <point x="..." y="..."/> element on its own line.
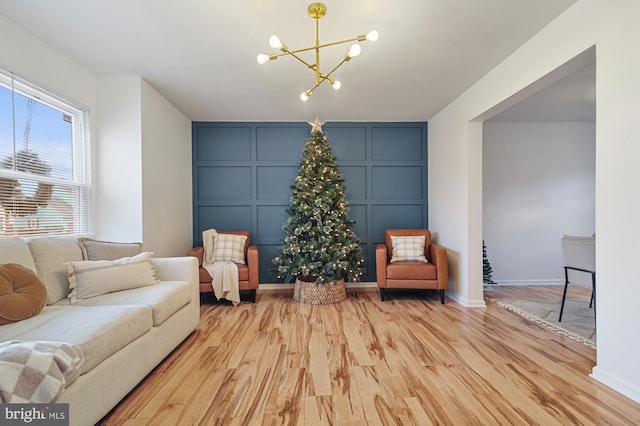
<point x="243" y="172"/>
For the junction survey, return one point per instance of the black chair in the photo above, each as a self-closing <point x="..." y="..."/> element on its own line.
<point x="579" y="255"/>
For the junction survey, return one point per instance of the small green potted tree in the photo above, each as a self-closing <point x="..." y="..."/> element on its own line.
<point x="319" y="249"/>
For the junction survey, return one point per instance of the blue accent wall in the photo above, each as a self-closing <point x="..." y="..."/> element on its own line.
<point x="243" y="172"/>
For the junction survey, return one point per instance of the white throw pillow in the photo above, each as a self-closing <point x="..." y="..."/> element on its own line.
<point x="408" y="249"/>
<point x="90" y="278"/>
<point x="229" y="247"/>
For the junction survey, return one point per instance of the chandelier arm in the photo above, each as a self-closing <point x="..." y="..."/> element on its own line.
<point x="327" y="78"/>
<point x="306" y="49"/>
<point x="339" y="42"/>
<point x="313" y="66"/>
<point x="288" y="52"/>
<point x="324" y="77"/>
<point x="310" y="91"/>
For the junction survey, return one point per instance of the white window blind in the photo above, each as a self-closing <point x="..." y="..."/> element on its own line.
<point x="44" y="167"/>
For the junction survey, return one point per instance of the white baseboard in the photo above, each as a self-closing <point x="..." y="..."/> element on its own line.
<point x="551" y="281"/>
<point x="468" y="303"/>
<point x="286" y="286"/>
<point x="616" y="383"/>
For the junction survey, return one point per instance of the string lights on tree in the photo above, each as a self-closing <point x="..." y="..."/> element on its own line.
<point x="319" y="244"/>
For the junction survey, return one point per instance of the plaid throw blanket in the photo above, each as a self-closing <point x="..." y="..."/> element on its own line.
<point x="37" y="372"/>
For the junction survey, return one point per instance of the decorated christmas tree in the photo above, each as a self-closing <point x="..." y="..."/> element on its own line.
<point x="319" y="245"/>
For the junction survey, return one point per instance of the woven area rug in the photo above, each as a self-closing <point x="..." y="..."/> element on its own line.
<point x="577" y="319"/>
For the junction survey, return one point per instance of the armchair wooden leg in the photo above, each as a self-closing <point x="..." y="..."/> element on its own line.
<point x="253" y="295"/>
<point x="442" y="297"/>
<point x="382" y="294"/>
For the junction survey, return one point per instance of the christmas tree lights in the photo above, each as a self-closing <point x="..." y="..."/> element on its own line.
<point x="319" y="245"/>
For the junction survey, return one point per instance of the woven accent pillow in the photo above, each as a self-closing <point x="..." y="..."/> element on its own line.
<point x="91" y="278"/>
<point x="107" y="250"/>
<point x="408" y="249"/>
<point x="229" y="247"/>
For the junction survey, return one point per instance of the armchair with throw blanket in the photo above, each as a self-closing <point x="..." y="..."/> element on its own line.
<point x="243" y="255"/>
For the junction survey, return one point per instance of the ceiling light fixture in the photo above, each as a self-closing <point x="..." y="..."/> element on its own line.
<point x="317" y="11"/>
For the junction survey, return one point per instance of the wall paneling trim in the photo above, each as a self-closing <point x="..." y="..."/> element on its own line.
<point x="243" y="172"/>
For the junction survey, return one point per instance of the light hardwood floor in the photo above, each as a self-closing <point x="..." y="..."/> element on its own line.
<point x="406" y="361"/>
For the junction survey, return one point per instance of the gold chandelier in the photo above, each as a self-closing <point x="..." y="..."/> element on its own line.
<point x="317" y="11"/>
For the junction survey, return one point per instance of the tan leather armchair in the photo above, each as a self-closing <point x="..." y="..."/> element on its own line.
<point x="433" y="275"/>
<point x="247" y="274"/>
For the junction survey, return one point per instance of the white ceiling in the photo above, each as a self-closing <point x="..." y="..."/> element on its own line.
<point x="200" y="55"/>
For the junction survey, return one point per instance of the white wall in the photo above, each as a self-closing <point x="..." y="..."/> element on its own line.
<point x="118" y="155"/>
<point x="140" y="145"/>
<point x="538" y="184"/>
<point x="166" y="176"/>
<point x="145" y="173"/>
<point x="455" y="176"/>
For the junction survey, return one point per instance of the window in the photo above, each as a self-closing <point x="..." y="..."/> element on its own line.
<point x="44" y="167"/>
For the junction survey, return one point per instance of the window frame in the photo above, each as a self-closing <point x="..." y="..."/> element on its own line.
<point x="80" y="181"/>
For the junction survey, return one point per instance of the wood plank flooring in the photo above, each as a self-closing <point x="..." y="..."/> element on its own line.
<point x="406" y="361"/>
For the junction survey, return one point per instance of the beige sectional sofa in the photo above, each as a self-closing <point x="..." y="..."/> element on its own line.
<point x="123" y="334"/>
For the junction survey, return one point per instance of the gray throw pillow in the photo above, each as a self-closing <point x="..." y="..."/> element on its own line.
<point x="107" y="250"/>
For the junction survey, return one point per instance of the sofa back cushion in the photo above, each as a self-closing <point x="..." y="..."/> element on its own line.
<point x="16" y="250"/>
<point x="50" y="255"/>
<point x="107" y="250"/>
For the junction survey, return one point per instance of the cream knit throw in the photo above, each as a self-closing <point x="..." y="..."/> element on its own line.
<point x="225" y="283"/>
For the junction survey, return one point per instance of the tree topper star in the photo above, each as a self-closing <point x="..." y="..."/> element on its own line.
<point x="316" y="126"/>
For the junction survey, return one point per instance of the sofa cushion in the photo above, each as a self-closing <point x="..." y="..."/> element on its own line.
<point x="205" y="276"/>
<point x="50" y="255"/>
<point x="22" y="294"/>
<point x="164" y="299"/>
<point x="412" y="271"/>
<point x="90" y="278"/>
<point x="16" y="250"/>
<point x="107" y="250"/>
<point x="100" y="331"/>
